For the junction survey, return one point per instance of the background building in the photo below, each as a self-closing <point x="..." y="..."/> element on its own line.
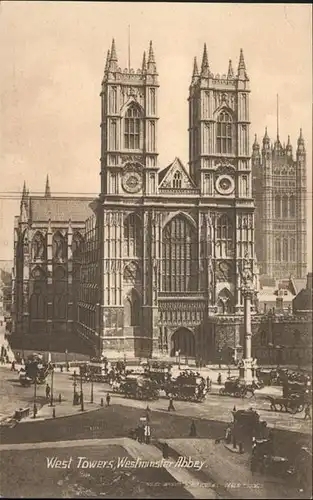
<point x="47" y="239"/>
<point x="279" y="189"/>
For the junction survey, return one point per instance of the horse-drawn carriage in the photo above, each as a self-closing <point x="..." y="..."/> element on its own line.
<point x="295" y="396"/>
<point x="248" y="423"/>
<point x="137" y="388"/>
<point x="236" y="387"/>
<point x="160" y="372"/>
<point x="35" y="371"/>
<point x="186" y="388"/>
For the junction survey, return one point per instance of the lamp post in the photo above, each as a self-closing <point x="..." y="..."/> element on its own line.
<point x="51" y="394"/>
<point x="91" y="390"/>
<point x="81" y="391"/>
<point x="35" y="397"/>
<point x="66" y="360"/>
<point x="74" y="387"/>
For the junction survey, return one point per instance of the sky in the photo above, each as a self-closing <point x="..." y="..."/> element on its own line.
<point x="52" y="57"/>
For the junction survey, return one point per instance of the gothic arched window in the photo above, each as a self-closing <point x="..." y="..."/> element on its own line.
<point x="132" y="126"/>
<point x="177" y="180"/>
<point x="225" y="302"/>
<point x="224" y="133"/>
<point x="285" y="250"/>
<point x="292" y="206"/>
<point x="180" y="253"/>
<point x="38" y="301"/>
<point x="277" y="250"/>
<point x="132" y="235"/>
<point x="38" y="247"/>
<point x="59" y="246"/>
<point x="285" y="206"/>
<point x="293" y="250"/>
<point x="224" y="237"/>
<point x="277" y="207"/>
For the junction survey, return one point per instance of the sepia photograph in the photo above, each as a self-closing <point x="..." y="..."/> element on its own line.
<point x="156" y="285"/>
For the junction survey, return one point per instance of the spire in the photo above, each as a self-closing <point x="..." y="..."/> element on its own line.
<point x="24" y="192"/>
<point x="47" y="190"/>
<point x="277" y="116"/>
<point x="195" y="73"/>
<point x="205" y="70"/>
<point x="112" y="64"/>
<point x="242" y="73"/>
<point x="151" y="67"/>
<point x="230" y="73"/>
<point x="107" y="62"/>
<point x="144" y="63"/>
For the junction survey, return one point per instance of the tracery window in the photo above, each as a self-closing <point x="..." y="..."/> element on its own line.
<point x="180" y="252"/>
<point x="132" y="235"/>
<point x="285" y="206"/>
<point x="38" y="301"/>
<point x="277" y="250"/>
<point x="292" y="206"/>
<point x="224" y="133"/>
<point x="285" y="250"/>
<point x="292" y="250"/>
<point x="277" y="206"/>
<point x="132" y="126"/>
<point x="224" y="237"/>
<point x="177" y="180"/>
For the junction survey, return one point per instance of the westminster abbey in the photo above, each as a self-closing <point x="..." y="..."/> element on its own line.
<point x="154" y="264"/>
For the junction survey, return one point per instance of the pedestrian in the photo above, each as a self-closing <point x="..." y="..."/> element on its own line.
<point x="171" y="405"/>
<point x="13" y="366"/>
<point x="108" y="399"/>
<point x="47" y="391"/>
<point x="228" y="435"/>
<point x="193" y="430"/>
<point x="307" y="412"/>
<point x="147" y="433"/>
<point x="208" y="383"/>
<point x="219" y="379"/>
<point x="148" y="411"/>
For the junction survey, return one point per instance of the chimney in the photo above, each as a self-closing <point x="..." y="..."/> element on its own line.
<point x="309" y="281"/>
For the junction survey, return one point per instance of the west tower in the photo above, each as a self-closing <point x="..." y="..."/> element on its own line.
<point x="219" y="162"/>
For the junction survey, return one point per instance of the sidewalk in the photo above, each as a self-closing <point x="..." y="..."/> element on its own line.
<point x="231" y="471"/>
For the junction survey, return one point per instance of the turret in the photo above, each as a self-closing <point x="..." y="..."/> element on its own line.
<point x="301" y="145"/>
<point x="47" y="189"/>
<point x="24" y="204"/>
<point x="151" y="66"/>
<point x="289" y="147"/>
<point x="242" y="73"/>
<point x="266" y="140"/>
<point x="205" y="69"/>
<point x="256" y="152"/>
<point x="230" y="72"/>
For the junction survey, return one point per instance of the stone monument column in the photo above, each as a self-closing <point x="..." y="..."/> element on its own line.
<point x="246" y="370"/>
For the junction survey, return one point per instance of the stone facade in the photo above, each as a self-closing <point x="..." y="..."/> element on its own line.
<point x="172" y="243"/>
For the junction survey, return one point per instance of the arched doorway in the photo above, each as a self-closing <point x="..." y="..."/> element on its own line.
<point x="183" y="340"/>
